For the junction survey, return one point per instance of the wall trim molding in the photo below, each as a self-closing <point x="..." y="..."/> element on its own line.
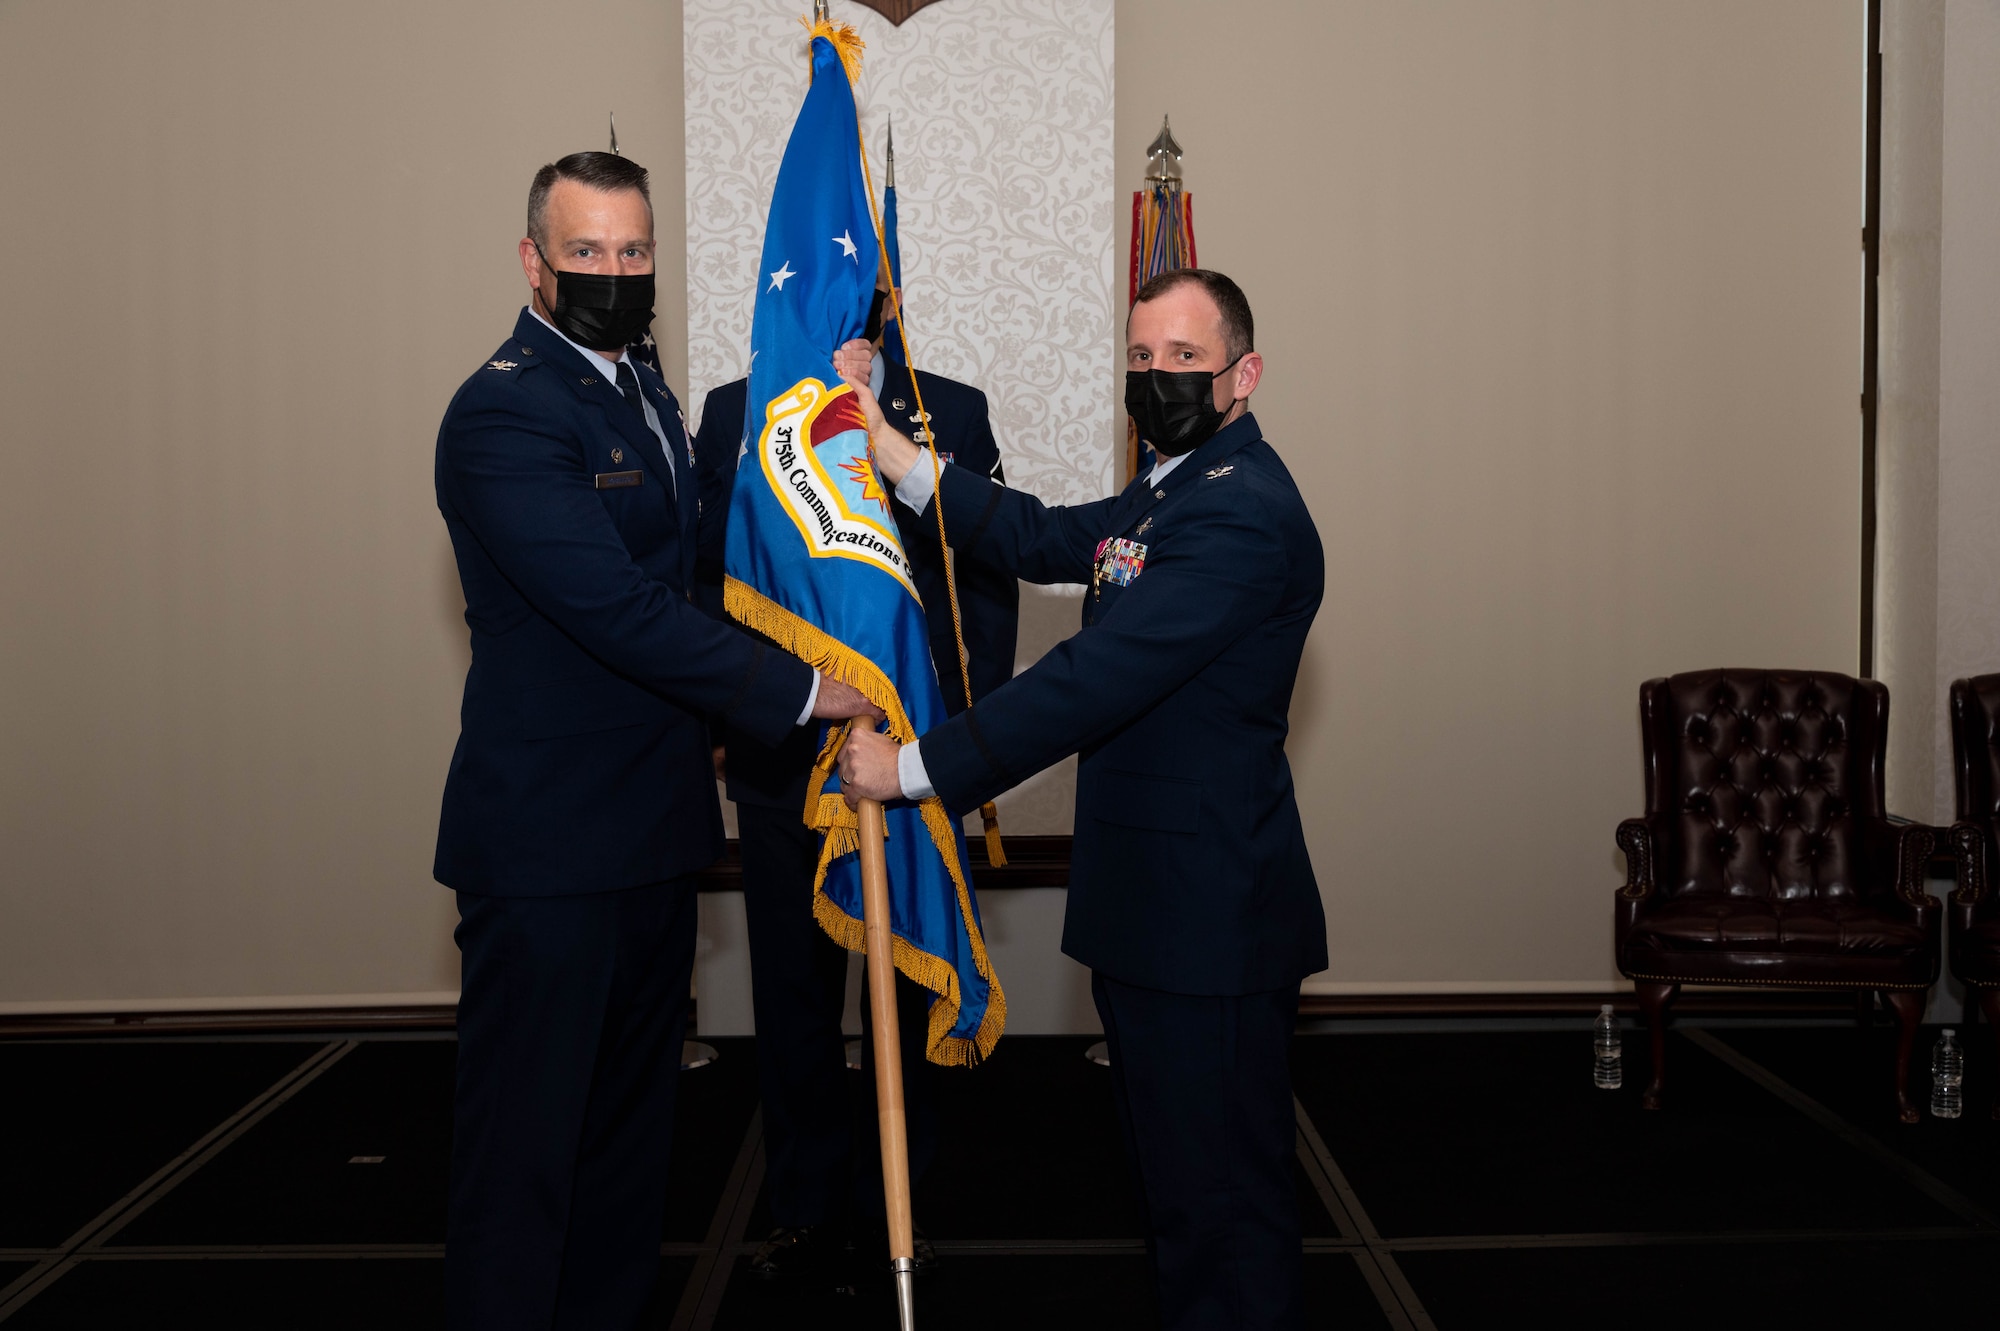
<point x="80" y="1007"/>
<point x="262" y="1015"/>
<point x="248" y="1016"/>
<point x="1704" y="1002"/>
<point x="1445" y="988"/>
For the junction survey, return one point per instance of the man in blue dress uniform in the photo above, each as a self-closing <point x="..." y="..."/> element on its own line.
<point x="580" y="799"/>
<point x="821" y="1169"/>
<point x="1191" y="896"/>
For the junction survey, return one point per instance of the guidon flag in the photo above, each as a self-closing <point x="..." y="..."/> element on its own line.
<point x="814" y="562"/>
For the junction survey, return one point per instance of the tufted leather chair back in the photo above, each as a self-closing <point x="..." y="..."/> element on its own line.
<point x="1975" y="722"/>
<point x="1975" y="752"/>
<point x="1756" y="780"/>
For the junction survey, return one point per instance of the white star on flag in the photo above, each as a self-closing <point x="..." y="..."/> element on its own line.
<point x="784" y="271"/>
<point x="848" y="249"/>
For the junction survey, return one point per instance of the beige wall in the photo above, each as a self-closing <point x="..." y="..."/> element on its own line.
<point x="252" y="249"/>
<point x="1939" y="469"/>
<point x="1968" y="593"/>
<point x="1906" y="431"/>
<point x="1559" y="305"/>
<point x="1940" y="434"/>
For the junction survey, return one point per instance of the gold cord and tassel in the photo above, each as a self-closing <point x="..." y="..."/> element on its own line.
<point x="989" y="814"/>
<point x="847" y="44"/>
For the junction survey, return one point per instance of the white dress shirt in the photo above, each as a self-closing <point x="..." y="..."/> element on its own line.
<point x="653" y="423"/>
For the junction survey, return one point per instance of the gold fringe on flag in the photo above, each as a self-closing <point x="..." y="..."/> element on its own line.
<point x="830" y="815"/>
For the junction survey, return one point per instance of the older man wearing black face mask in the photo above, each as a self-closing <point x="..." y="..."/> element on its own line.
<point x="1191" y="896"/>
<point x="580" y="800"/>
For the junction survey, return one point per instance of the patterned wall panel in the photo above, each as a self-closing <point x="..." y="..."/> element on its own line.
<point x="1003" y="114"/>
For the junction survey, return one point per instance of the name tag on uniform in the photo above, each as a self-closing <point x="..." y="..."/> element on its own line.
<point x="618" y="480"/>
<point x="1119" y="561"/>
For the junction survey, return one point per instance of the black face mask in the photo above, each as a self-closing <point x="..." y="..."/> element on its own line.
<point x="873" y="328"/>
<point x="599" y="310"/>
<point x="1175" y="409"/>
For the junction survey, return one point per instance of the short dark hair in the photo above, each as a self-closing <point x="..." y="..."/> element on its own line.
<point x="604" y="171"/>
<point x="1239" y="329"/>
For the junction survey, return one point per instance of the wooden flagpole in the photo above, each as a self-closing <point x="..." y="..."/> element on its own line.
<point x="888" y="1060"/>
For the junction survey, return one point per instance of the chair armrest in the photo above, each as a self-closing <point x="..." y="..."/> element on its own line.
<point x="1968" y="853"/>
<point x="1900" y="852"/>
<point x="1635" y="838"/>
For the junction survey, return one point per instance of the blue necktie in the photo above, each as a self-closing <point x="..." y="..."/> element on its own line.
<point x="628" y="387"/>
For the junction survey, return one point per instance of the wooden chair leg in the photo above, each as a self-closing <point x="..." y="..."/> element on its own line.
<point x="1908" y="1005"/>
<point x="1653" y="1000"/>
<point x="1989" y="1005"/>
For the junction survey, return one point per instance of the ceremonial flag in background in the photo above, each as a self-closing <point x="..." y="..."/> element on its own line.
<point x="813" y="561"/>
<point x="892" y="336"/>
<point x="1162" y="242"/>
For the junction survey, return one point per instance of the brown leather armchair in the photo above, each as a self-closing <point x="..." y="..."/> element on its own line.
<point x="1975" y="907"/>
<point x="1765" y="857"/>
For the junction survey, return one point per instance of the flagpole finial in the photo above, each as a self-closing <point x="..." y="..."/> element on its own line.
<point x="1163" y="157"/>
<point x="889" y="170"/>
<point x="819" y="12"/>
<point x="612" y="117"/>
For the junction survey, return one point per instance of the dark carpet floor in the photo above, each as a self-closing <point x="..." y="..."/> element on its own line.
<point x="1445" y="1179"/>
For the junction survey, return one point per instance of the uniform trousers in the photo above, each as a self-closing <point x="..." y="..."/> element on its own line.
<point x="570" y="1022"/>
<point x="821" y="1164"/>
<point x="1203" y="1087"/>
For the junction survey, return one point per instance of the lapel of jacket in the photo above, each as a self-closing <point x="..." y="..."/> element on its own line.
<point x="1140" y="498"/>
<point x="1126" y="511"/>
<point x="586" y="379"/>
<point x="687" y="492"/>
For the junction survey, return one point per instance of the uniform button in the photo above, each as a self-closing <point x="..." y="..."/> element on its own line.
<point x="527" y="351"/>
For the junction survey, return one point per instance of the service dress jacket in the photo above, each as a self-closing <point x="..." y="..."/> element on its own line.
<point x="1189" y="870"/>
<point x="583" y="759"/>
<point x="989" y="599"/>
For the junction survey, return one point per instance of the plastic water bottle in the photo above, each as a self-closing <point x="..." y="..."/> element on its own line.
<point x="1610" y="1071"/>
<point x="1947" y="1078"/>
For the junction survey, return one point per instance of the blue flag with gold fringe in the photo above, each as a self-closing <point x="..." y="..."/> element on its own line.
<point x="813" y="560"/>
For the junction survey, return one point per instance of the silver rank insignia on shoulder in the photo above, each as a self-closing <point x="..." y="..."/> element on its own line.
<point x="1217" y="473"/>
<point x="617" y="455"/>
<point x="503" y="365"/>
